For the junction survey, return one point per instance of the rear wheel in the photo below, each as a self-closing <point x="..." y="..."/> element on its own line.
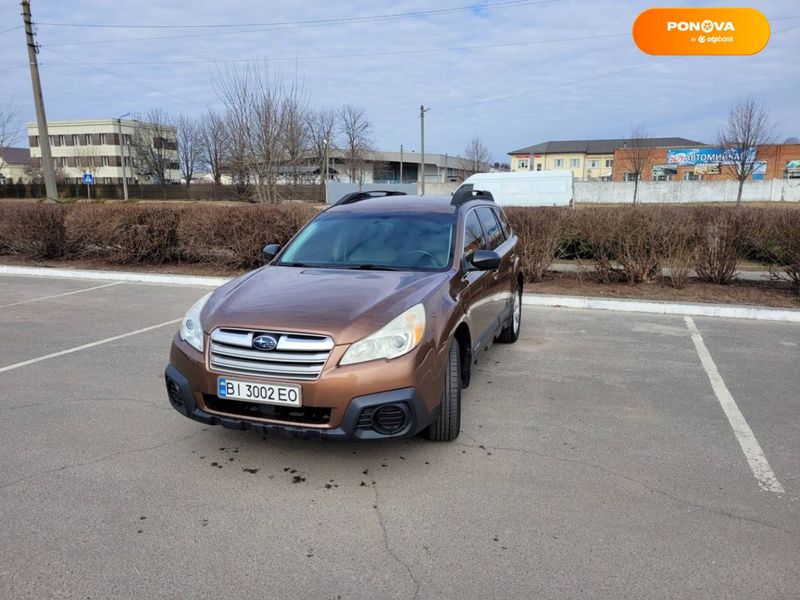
<point x="448" y="425"/>
<point x="510" y="332"/>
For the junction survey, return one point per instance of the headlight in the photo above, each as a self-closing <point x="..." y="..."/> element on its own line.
<point x="191" y="327"/>
<point x="400" y="336"/>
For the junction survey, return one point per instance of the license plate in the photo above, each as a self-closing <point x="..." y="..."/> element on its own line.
<point x="264" y="393"/>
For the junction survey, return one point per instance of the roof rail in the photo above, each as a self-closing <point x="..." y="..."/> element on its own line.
<point x="358" y="196"/>
<point x="465" y="194"/>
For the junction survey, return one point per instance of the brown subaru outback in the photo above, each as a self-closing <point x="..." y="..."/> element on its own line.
<point x="364" y="326"/>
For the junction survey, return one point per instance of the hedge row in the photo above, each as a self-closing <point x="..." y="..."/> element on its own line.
<point x="629" y="244"/>
<point x="225" y="236"/>
<point x="634" y="243"/>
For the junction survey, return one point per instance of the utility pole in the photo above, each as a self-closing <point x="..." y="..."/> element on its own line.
<point x="41" y="120"/>
<point x="401" y="163"/>
<point x="324" y="173"/>
<point x="422" y="111"/>
<point x="446" y="179"/>
<point x="122" y="155"/>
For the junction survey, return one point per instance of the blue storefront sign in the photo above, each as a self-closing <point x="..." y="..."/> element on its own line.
<point x="686" y="157"/>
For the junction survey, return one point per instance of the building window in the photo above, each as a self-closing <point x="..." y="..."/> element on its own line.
<point x="105" y="159"/>
<point x="574" y="163"/>
<point x="88" y="139"/>
<point x="690" y="176"/>
<point x="631" y="177"/>
<point x="102" y="139"/>
<point x="63" y="161"/>
<point x="559" y="162"/>
<point x="593" y="164"/>
<point x="522" y="163"/>
<point x="62" y="140"/>
<point x="538" y="166"/>
<point x="609" y="163"/>
<point x="662" y="177"/>
<point x="76" y="139"/>
<point x="53" y="140"/>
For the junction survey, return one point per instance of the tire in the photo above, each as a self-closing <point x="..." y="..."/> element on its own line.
<point x="510" y="333"/>
<point x="448" y="425"/>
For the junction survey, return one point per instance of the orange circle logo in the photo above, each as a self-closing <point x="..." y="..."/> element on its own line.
<point x="701" y="31"/>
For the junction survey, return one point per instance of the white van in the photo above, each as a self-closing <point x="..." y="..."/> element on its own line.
<point x="527" y="188"/>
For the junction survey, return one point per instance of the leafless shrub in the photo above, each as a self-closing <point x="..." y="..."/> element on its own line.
<point x="718" y="231"/>
<point x="678" y="244"/>
<point x="32" y="230"/>
<point x="779" y="243"/>
<point x="233" y="236"/>
<point x="540" y="232"/>
<point x="124" y="233"/>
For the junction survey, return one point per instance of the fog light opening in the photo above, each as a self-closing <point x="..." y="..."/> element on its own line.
<point x="174" y="393"/>
<point x="389" y="419"/>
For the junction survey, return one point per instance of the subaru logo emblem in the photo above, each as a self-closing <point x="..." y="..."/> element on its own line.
<point x="265" y="342"/>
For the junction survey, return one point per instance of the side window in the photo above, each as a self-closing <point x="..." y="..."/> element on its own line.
<point x="494" y="235"/>
<point x="473" y="234"/>
<point x="501" y="216"/>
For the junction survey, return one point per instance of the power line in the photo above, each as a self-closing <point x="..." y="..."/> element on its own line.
<point x="313" y="22"/>
<point x="307" y="24"/>
<point x="126" y="79"/>
<point x="350" y="55"/>
<point x="11" y="29"/>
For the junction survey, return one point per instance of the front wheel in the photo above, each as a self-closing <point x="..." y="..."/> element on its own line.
<point x="448" y="425"/>
<point x="510" y="332"/>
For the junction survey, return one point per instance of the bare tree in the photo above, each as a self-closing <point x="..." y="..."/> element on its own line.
<point x="356" y="135"/>
<point x="638" y="153"/>
<point x="476" y="157"/>
<point x="748" y="126"/>
<point x="294" y="125"/>
<point x="9" y="130"/>
<point x="257" y="104"/>
<point x="791" y="140"/>
<point x="321" y="127"/>
<point x="189" y="148"/>
<point x="155" y="148"/>
<point x="214" y="144"/>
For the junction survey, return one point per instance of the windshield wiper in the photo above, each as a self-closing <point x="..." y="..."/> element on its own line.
<point x="371" y="267"/>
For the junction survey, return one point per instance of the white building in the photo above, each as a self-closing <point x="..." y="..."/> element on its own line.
<point x="94" y="145"/>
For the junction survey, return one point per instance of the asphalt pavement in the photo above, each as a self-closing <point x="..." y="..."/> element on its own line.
<point x="599" y="457"/>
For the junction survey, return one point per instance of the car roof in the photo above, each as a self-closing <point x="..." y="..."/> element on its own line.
<point x="438" y="204"/>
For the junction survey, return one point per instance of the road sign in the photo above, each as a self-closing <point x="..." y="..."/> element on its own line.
<point x="88" y="178"/>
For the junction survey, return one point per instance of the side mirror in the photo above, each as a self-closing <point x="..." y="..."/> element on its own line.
<point x="271" y="251"/>
<point x="484" y="260"/>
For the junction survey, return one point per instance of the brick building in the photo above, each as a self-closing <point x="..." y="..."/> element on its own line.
<point x="774" y="161"/>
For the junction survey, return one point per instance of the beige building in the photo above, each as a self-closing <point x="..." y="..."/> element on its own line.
<point x="14" y="165"/>
<point x="587" y="159"/>
<point x="94" y="145"/>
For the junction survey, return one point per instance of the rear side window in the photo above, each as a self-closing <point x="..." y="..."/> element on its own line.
<point x="494" y="234"/>
<point x="473" y="234"/>
<point x="501" y="216"/>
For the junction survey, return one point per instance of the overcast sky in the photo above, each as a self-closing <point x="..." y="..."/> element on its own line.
<point x="483" y="71"/>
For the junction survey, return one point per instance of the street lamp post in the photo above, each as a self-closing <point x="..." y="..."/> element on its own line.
<point x="122" y="156"/>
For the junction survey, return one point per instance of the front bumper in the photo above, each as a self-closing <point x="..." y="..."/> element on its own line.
<point x="407" y="399"/>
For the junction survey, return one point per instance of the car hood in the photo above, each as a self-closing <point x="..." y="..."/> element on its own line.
<point x="344" y="304"/>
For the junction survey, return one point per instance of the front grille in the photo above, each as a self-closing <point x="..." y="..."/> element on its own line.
<point x="309" y="415"/>
<point x="296" y="356"/>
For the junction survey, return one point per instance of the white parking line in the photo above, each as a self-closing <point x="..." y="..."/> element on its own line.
<point x="85" y="346"/>
<point x="752" y="449"/>
<point x="97" y="287"/>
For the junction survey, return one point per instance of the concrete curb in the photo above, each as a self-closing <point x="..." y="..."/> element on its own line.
<point x="786" y="315"/>
<point x="114" y="276"/>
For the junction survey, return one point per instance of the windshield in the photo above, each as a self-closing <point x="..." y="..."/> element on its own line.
<point x="381" y="241"/>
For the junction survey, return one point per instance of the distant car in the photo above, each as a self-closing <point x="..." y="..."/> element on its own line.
<point x="525" y="188"/>
<point x="366" y="325"/>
